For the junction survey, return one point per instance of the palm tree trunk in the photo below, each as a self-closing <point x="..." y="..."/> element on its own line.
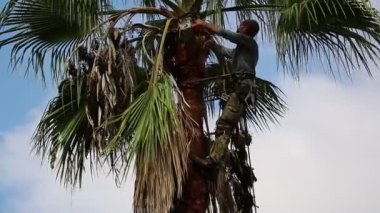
<point x="195" y="190"/>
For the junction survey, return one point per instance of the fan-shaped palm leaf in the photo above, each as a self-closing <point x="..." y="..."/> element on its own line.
<point x="269" y="104"/>
<point x="344" y="32"/>
<point x="158" y="145"/>
<point x="63" y="135"/>
<point x="38" y="27"/>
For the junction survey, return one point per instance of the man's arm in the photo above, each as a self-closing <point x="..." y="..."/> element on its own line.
<point x="236" y="38"/>
<point x="223" y="51"/>
<point x="219" y="49"/>
<point x="201" y="24"/>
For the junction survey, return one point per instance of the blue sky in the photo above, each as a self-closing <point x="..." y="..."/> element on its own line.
<point x="19" y="93"/>
<point x="321" y="158"/>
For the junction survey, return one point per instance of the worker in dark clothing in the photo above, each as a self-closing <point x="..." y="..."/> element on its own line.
<point x="244" y="59"/>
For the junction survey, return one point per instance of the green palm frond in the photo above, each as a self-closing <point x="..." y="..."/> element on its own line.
<point x="7" y="8"/>
<point x="247" y="9"/>
<point x="215" y="84"/>
<point x="36" y="28"/>
<point x="196" y="6"/>
<point x="216" y="6"/>
<point x="178" y="11"/>
<point x="243" y="14"/>
<point x="244" y="9"/>
<point x="154" y="127"/>
<point x="269" y="104"/>
<point x="344" y="32"/>
<point x="146" y="3"/>
<point x="146" y="48"/>
<point x="63" y="135"/>
<point x="158" y="146"/>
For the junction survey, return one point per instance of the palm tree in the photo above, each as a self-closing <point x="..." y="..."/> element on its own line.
<point x="136" y="88"/>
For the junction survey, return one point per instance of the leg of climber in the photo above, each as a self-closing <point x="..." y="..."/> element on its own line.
<point x="224" y="127"/>
<point x="226" y="123"/>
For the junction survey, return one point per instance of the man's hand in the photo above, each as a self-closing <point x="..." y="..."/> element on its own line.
<point x="201" y="24"/>
<point x="198" y="24"/>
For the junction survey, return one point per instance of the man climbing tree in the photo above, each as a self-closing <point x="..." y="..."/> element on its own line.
<point x="244" y="59"/>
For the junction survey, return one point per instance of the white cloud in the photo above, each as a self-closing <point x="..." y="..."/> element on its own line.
<point x="28" y="187"/>
<point x="324" y="156"/>
<point x="375" y="3"/>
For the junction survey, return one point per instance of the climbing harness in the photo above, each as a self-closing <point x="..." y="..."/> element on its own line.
<point x="232" y="140"/>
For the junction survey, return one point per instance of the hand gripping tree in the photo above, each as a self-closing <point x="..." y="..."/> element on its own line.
<point x="135" y="89"/>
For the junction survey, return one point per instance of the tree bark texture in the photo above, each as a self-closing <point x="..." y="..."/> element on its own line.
<point x="192" y="57"/>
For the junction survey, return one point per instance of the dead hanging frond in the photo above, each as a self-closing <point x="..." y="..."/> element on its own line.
<point x="39" y="29"/>
<point x="99" y="84"/>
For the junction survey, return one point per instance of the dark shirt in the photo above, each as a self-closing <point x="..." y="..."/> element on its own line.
<point x="246" y="54"/>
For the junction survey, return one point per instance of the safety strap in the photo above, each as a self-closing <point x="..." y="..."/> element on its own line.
<point x="236" y="75"/>
<point x="251" y="96"/>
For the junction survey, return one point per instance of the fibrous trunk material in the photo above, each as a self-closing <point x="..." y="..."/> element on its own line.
<point x="192" y="58"/>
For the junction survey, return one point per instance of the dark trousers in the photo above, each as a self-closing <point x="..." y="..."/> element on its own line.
<point x="231" y="114"/>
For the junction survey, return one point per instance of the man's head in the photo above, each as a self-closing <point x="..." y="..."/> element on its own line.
<point x="249" y="27"/>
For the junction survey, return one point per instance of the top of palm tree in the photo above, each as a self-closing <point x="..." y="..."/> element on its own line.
<point x="342" y="33"/>
<point x="120" y="94"/>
